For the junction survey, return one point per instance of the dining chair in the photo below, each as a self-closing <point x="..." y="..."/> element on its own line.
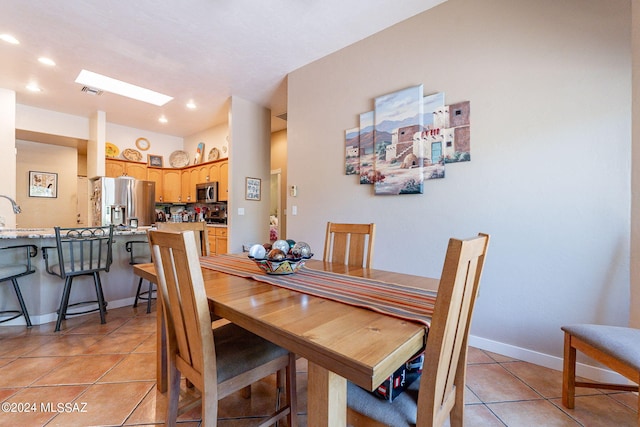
<point x="217" y="361"/>
<point x="19" y="257"/>
<point x="139" y="254"/>
<point x="439" y="393"/>
<point x="350" y="244"/>
<point x="200" y="229"/>
<point x="80" y="251"/>
<point x="616" y="347"/>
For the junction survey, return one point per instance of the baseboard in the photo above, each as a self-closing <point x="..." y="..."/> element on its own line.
<point x="593" y="373"/>
<point x="52" y="317"/>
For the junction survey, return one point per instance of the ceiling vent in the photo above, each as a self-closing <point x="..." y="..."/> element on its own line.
<point x="91" y="90"/>
<point x="282" y="116"/>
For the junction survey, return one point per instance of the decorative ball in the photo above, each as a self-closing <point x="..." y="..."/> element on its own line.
<point x="301" y="250"/>
<point x="257" y="251"/>
<point x="276" y="255"/>
<point x="283" y="245"/>
<point x="291" y="243"/>
<point x="267" y="246"/>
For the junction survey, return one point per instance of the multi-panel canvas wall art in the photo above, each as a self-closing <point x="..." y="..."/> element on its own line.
<point x="407" y="140"/>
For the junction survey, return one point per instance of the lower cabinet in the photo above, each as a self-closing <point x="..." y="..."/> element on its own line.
<point x="217" y="240"/>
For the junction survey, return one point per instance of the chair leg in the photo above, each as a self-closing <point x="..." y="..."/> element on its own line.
<point x="173" y="395"/>
<point x="23" y="306"/>
<point x="64" y="302"/>
<point x="292" y="391"/>
<point x="135" y="301"/>
<point x="569" y="373"/>
<point x="149" y="294"/>
<point x="100" y="295"/>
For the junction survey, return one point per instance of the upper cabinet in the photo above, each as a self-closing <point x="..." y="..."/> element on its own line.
<point x="115" y="168"/>
<point x="171" y="186"/>
<point x="223" y="184"/>
<point x="175" y="185"/>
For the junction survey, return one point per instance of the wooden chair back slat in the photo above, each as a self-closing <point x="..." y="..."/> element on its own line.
<point x="350" y="244"/>
<point x="200" y="228"/>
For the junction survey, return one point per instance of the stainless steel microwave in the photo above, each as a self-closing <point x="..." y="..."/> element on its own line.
<point x="207" y="192"/>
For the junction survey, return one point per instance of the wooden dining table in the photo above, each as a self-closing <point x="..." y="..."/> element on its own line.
<point x="341" y="342"/>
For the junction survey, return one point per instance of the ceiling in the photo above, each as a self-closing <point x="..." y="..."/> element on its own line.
<point x="200" y="50"/>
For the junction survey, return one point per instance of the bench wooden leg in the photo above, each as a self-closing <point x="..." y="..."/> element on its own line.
<point x="569" y="373"/>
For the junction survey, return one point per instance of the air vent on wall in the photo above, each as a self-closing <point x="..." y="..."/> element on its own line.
<point x="282" y="116"/>
<point x="91" y="90"/>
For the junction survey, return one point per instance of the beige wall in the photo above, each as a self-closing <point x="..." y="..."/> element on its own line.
<point x="42" y="211"/>
<point x="635" y="161"/>
<point x="279" y="161"/>
<point x="249" y="147"/>
<point x="550" y="90"/>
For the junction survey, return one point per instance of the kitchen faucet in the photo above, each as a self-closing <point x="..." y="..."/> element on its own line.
<point x="14" y="205"/>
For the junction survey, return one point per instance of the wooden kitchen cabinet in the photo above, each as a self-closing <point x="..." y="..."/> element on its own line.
<point x="116" y="168"/>
<point x="223" y="183"/>
<point x="171" y="186"/>
<point x="156" y="175"/>
<point x="217" y="240"/>
<point x="175" y="185"/>
<point x="187" y="190"/>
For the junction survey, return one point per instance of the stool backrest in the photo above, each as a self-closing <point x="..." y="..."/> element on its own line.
<point x="84" y="250"/>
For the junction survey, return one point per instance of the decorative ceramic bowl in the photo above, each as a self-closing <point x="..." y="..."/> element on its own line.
<point x="286" y="266"/>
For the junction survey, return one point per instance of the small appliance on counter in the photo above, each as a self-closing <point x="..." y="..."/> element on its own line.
<point x="216" y="213"/>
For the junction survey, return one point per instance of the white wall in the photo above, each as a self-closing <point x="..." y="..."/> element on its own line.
<point x="160" y="144"/>
<point x="7" y="155"/>
<point x="550" y="90"/>
<point x="214" y="137"/>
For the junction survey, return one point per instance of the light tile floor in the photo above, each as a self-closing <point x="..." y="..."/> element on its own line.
<point x="105" y="375"/>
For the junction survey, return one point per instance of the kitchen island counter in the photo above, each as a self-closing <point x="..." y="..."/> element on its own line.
<point x="42" y="291"/>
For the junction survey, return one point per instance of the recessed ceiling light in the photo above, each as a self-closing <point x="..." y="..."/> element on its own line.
<point x="119" y="87"/>
<point x="32" y="87"/>
<point x="191" y="105"/>
<point x="46" y="61"/>
<point x="163" y="119"/>
<point x="9" y="38"/>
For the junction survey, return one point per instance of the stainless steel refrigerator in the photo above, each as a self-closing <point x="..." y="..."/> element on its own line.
<point x="119" y="200"/>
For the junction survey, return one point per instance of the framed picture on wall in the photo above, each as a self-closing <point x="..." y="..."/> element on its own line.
<point x="253" y="189"/>
<point x="154" y="161"/>
<point x="43" y="184"/>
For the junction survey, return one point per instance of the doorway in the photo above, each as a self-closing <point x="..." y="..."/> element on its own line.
<point x="275" y="206"/>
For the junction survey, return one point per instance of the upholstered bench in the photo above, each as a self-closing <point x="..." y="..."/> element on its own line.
<point x="614" y="346"/>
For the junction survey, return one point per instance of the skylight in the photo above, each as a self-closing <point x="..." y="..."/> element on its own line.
<point x="108" y="84"/>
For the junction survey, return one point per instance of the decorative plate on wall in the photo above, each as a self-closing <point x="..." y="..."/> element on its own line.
<point x="111" y="150"/>
<point x="143" y="144"/>
<point x="131" y="154"/>
<point x="214" y="154"/>
<point x="179" y="159"/>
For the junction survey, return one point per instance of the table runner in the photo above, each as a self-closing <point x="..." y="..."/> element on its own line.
<point x="388" y="298"/>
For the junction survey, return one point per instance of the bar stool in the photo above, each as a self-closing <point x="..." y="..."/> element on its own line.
<point x="21" y="256"/>
<point x="81" y="251"/>
<point x="140" y="259"/>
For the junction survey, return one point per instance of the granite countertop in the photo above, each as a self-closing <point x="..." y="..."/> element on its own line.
<point x="45" y="233"/>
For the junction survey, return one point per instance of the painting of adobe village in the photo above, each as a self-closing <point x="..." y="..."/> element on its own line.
<point x="398" y="160"/>
<point x="398" y="147"/>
